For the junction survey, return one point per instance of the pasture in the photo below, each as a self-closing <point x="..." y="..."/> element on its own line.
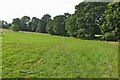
<point x="36" y="55"/>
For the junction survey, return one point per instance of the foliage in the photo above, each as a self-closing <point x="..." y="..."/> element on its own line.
<point x="90" y="19"/>
<point x="90" y="16"/>
<point x="33" y="24"/>
<point x="111" y="25"/>
<point x="71" y="25"/>
<point x="24" y="23"/>
<point x="49" y="27"/>
<point x="43" y="23"/>
<point x="59" y="25"/>
<point x="16" y="24"/>
<point x="4" y="24"/>
<point x="39" y="29"/>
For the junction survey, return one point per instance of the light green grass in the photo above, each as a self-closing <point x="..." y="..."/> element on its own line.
<point x="33" y="55"/>
<point x="0" y="53"/>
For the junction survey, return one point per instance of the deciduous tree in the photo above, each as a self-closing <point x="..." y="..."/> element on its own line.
<point x="111" y="25"/>
<point x="16" y="24"/>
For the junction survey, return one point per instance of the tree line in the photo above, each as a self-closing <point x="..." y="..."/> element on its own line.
<point x="89" y="19"/>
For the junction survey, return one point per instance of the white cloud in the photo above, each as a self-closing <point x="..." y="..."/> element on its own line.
<point x="17" y="8"/>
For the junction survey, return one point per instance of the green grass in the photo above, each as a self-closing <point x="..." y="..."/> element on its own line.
<point x="36" y="55"/>
<point x="0" y="54"/>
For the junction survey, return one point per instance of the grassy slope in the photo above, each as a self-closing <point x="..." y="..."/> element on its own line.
<point x="0" y="54"/>
<point x="40" y="55"/>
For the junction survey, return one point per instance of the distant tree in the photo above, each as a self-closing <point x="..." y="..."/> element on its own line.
<point x="67" y="15"/>
<point x="49" y="27"/>
<point x="39" y="28"/>
<point x="33" y="24"/>
<point x="30" y="26"/>
<point x="89" y="19"/>
<point x="4" y="24"/>
<point x="43" y="23"/>
<point x="71" y="25"/>
<point x="9" y="25"/>
<point x="59" y="25"/>
<point x="24" y="23"/>
<point x="111" y="25"/>
<point x="0" y="24"/>
<point x="16" y="24"/>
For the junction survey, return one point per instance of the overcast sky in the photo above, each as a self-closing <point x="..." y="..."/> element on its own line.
<point x="35" y="8"/>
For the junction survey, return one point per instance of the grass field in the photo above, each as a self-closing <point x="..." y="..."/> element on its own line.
<point x="0" y="54"/>
<point x="36" y="55"/>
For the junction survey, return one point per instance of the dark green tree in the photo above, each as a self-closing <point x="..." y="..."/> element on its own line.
<point x="71" y="25"/>
<point x="33" y="24"/>
<point x="9" y="25"/>
<point x="59" y="25"/>
<point x="43" y="23"/>
<point x="24" y="22"/>
<point x="39" y="28"/>
<point x="16" y="24"/>
<point x="67" y="15"/>
<point x="49" y="27"/>
<point x="0" y="23"/>
<point x="90" y="17"/>
<point x="111" y="26"/>
<point x="4" y="24"/>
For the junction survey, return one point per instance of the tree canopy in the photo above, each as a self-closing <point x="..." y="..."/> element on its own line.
<point x="59" y="25"/>
<point x="16" y="24"/>
<point x="88" y="20"/>
<point x="111" y="25"/>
